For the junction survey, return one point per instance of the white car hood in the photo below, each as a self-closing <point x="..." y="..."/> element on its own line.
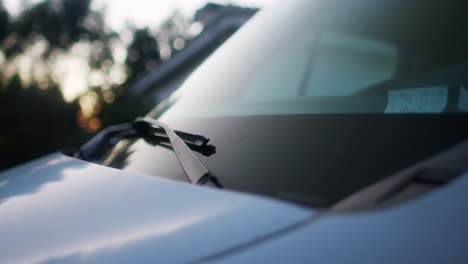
<point x="62" y="210"/>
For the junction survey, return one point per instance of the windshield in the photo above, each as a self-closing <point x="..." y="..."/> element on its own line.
<point x="305" y="57"/>
<point x="313" y="100"/>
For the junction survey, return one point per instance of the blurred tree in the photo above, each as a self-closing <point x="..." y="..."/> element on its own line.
<point x="173" y="34"/>
<point x="43" y="39"/>
<point x="35" y="117"/>
<point x="4" y="19"/>
<point x="60" y="23"/>
<point x="143" y="54"/>
<point x="147" y="50"/>
<point x="34" y="122"/>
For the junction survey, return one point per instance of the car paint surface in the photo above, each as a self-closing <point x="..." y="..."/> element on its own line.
<point x="430" y="229"/>
<point x="60" y="209"/>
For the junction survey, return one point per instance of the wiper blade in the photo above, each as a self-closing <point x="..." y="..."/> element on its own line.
<point x="139" y="127"/>
<point x="194" y="169"/>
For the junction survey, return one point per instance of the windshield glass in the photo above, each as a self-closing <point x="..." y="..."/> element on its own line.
<point x="305" y="57"/>
<point x="312" y="101"/>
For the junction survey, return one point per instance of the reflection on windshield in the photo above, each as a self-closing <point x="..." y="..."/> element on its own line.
<point x="322" y="64"/>
<point x="325" y="57"/>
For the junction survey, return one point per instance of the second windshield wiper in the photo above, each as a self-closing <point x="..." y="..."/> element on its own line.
<point x="194" y="169"/>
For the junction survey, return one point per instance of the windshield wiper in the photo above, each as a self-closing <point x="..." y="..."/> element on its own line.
<point x="194" y="169"/>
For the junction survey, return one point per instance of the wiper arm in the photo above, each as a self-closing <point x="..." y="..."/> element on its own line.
<point x="94" y="147"/>
<point x="194" y="169"/>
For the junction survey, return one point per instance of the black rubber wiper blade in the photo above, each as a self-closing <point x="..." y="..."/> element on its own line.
<point x="196" y="171"/>
<point x="148" y="126"/>
<point x="139" y="127"/>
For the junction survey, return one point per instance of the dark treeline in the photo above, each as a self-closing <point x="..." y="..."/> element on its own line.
<point x="35" y="118"/>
